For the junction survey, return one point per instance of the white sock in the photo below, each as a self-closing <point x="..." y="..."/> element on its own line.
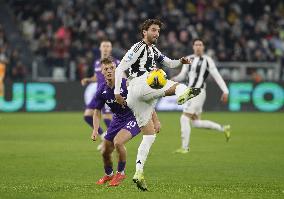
<point x="180" y="89"/>
<point x="185" y="131"/>
<point x="122" y="172"/>
<point x="207" y="124"/>
<point x="143" y="151"/>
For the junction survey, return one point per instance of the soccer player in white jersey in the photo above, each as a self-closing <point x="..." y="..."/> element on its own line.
<point x="140" y="60"/>
<point x="201" y="66"/>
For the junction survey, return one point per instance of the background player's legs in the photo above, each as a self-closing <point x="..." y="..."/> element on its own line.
<point x="185" y="131"/>
<point x="107" y="119"/>
<point x="197" y="123"/>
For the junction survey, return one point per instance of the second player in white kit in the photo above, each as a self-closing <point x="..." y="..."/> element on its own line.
<point x="202" y="65"/>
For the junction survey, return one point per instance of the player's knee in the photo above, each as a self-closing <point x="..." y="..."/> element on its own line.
<point x="118" y="144"/>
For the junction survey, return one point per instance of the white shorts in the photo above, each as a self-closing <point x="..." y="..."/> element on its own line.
<point x="142" y="98"/>
<point x="195" y="105"/>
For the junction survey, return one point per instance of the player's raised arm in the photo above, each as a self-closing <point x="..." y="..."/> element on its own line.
<point x="169" y="62"/>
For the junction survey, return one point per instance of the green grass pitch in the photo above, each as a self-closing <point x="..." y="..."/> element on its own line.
<point x="51" y="156"/>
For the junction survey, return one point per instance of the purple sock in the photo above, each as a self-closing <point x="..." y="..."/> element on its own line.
<point x="89" y="120"/>
<point x="121" y="166"/>
<point x="107" y="122"/>
<point x="100" y="131"/>
<point x="108" y="170"/>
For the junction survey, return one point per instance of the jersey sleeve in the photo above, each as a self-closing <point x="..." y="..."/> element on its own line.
<point x="99" y="100"/>
<point x="166" y="61"/>
<point x="129" y="58"/>
<point x="216" y="75"/>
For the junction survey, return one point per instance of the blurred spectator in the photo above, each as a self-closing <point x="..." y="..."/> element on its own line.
<point x="3" y="63"/>
<point x="19" y="72"/>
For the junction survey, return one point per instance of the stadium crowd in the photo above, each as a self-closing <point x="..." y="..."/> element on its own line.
<point x="10" y="59"/>
<point x="70" y="30"/>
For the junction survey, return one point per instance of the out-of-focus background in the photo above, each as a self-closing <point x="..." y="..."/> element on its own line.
<point x="57" y="41"/>
<point x="48" y="46"/>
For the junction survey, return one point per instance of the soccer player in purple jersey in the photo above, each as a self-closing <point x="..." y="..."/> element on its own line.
<point x="122" y="128"/>
<point x="105" y="50"/>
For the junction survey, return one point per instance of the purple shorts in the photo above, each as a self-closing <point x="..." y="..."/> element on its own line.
<point x="116" y="125"/>
<point x="105" y="109"/>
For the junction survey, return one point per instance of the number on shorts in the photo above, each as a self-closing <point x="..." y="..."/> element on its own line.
<point x="131" y="124"/>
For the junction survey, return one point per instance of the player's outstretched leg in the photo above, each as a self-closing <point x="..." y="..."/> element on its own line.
<point x="181" y="91"/>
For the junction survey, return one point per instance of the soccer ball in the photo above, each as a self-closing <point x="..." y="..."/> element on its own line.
<point x="157" y="79"/>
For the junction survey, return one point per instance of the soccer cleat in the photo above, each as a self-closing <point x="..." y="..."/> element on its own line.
<point x="188" y="94"/>
<point x="227" y="132"/>
<point x="182" y="151"/>
<point x="138" y="178"/>
<point x="104" y="179"/>
<point x="117" y="179"/>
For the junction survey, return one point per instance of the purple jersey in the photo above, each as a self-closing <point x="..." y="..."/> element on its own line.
<point x="98" y="70"/>
<point x="105" y="95"/>
<point x="123" y="118"/>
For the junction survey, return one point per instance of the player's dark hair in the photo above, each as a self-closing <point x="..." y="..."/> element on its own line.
<point x="105" y="40"/>
<point x="197" y="39"/>
<point x="107" y="60"/>
<point x="146" y="24"/>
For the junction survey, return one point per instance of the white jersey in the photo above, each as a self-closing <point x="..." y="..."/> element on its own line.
<point x="198" y="72"/>
<point x="139" y="59"/>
